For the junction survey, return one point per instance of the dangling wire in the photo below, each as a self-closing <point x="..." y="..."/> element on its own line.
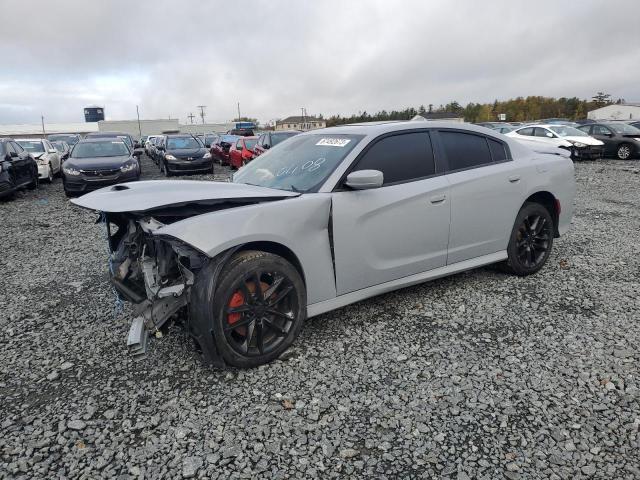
<point x="118" y="307"/>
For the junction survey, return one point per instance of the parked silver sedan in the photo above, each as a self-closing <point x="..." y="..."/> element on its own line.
<point x="325" y="219"/>
<point x="46" y="155"/>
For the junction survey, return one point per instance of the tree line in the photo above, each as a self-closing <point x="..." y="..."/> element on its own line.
<point x="517" y="109"/>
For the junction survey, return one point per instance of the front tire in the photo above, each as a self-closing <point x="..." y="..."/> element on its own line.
<point x="257" y="310"/>
<point x="624" y="151"/>
<point x="50" y="174"/>
<point x="531" y="240"/>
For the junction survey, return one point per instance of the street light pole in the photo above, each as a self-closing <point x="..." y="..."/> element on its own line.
<point x="138" y="114"/>
<point x="43" y="132"/>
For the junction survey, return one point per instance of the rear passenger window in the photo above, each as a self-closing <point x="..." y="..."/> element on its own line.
<point x="498" y="150"/>
<point x="400" y="158"/>
<point x="525" y="131"/>
<point x="465" y="150"/>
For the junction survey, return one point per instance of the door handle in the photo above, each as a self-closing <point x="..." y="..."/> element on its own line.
<point x="438" y="198"/>
<point x="514" y="178"/>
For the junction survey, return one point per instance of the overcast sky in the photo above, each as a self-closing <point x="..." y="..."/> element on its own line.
<point x="328" y="56"/>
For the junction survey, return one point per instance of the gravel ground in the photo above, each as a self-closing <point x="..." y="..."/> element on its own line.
<point x="480" y="375"/>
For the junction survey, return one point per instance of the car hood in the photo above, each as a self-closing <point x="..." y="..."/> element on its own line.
<point x="156" y="194"/>
<point x="585" y="140"/>
<point x="187" y="152"/>
<point x="96" y="163"/>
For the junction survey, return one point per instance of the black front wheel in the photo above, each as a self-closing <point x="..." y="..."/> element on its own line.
<point x="257" y="309"/>
<point x="624" y="151"/>
<point x="531" y="240"/>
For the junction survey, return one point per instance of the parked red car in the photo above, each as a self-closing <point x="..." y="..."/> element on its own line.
<point x="271" y="139"/>
<point x="241" y="152"/>
<point x="220" y="148"/>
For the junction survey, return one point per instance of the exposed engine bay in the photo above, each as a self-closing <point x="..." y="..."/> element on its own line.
<point x="153" y="272"/>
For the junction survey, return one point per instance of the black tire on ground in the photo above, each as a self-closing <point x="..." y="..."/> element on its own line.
<point x="34" y="183"/>
<point x="251" y="325"/>
<point x="165" y="169"/>
<point x="531" y="240"/>
<point x="50" y="176"/>
<point x="624" y="151"/>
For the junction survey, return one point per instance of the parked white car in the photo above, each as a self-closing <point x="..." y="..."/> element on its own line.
<point x="580" y="144"/>
<point x="46" y="155"/>
<point x="148" y="142"/>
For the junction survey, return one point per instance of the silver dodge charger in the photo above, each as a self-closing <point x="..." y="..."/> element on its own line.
<point x="325" y="219"/>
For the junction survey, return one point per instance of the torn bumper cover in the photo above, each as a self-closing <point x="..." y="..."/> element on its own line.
<point x="156" y="274"/>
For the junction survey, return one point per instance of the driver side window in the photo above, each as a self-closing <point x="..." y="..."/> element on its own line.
<point x="542" y="132"/>
<point x="600" y="130"/>
<point x="401" y="158"/>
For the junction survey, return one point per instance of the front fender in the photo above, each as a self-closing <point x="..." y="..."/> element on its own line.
<point x="301" y="224"/>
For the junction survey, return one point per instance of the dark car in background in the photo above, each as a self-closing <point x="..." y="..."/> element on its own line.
<point x="208" y="138"/>
<point x="98" y="162"/>
<point x="63" y="149"/>
<point x="128" y="139"/>
<point x="18" y="169"/>
<point x="635" y="124"/>
<point x="270" y="139"/>
<point x="621" y="140"/>
<point x="241" y="152"/>
<point x="220" y="148"/>
<point x="241" y="132"/>
<point x="70" y="138"/>
<point x="183" y="153"/>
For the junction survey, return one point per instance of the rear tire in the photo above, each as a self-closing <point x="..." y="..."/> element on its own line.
<point x="531" y="240"/>
<point x="252" y="325"/>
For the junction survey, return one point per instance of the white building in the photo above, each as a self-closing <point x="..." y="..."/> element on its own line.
<point x="300" y="123"/>
<point x="623" y="111"/>
<point x="34" y="130"/>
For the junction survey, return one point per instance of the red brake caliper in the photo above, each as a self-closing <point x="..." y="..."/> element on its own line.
<point x="237" y="300"/>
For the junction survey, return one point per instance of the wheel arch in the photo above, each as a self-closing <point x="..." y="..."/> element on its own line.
<point x="550" y="202"/>
<point x="277" y="249"/>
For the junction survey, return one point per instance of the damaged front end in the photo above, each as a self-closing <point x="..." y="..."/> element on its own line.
<point x="154" y="272"/>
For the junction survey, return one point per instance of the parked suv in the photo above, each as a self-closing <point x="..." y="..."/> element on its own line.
<point x="70" y="138"/>
<point x="183" y="153"/>
<point x="17" y="168"/>
<point x="620" y="139"/>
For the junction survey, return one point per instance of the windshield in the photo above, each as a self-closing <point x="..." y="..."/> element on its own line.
<point x="250" y="143"/>
<point x="33" y="146"/>
<point x="299" y="165"/>
<point x="100" y="149"/>
<point x="59" y="146"/>
<point x="180" y="143"/>
<point x="565" y="131"/>
<point x="70" y="139"/>
<point x="624" y="129"/>
<point x="276" y="138"/>
<point x="229" y="138"/>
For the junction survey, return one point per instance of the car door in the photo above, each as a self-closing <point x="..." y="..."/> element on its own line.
<point x="19" y="159"/>
<point x="486" y="190"/>
<point x="54" y="156"/>
<point x="544" y="136"/>
<point x="606" y="136"/>
<point x="399" y="229"/>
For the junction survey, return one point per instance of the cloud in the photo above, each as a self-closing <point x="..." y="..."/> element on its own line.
<point x="277" y="56"/>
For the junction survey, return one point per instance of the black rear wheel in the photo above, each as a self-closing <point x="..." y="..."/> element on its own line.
<point x="531" y="240"/>
<point x="624" y="151"/>
<point x="257" y="310"/>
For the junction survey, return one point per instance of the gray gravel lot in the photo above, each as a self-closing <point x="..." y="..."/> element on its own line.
<point x="480" y="375"/>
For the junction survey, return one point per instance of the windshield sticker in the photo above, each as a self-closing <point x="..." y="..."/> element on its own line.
<point x="333" y="142"/>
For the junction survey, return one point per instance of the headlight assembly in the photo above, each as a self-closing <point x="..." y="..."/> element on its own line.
<point x="208" y="155"/>
<point x="127" y="167"/>
<point x="169" y="157"/>
<point x="71" y="171"/>
<point x="579" y="144"/>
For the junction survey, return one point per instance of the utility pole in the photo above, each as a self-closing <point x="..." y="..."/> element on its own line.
<point x="202" y="107"/>
<point x="239" y="111"/>
<point x="43" y="132"/>
<point x="191" y="117"/>
<point x="139" y="128"/>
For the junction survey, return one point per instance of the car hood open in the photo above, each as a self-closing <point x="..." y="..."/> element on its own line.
<point x="157" y="194"/>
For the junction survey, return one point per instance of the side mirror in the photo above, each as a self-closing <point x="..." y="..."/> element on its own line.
<point x="207" y="145"/>
<point x="266" y="146"/>
<point x="137" y="152"/>
<point x="365" y="179"/>
<point x="550" y="135"/>
<point x="13" y="154"/>
<point x="53" y="150"/>
<point x="136" y="144"/>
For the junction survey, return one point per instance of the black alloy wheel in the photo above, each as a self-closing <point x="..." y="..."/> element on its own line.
<point x="531" y="240"/>
<point x="624" y="151"/>
<point x="257" y="310"/>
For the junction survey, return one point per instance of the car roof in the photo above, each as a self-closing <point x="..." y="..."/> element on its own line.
<point x="28" y="139"/>
<point x="100" y="139"/>
<point x="379" y="128"/>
